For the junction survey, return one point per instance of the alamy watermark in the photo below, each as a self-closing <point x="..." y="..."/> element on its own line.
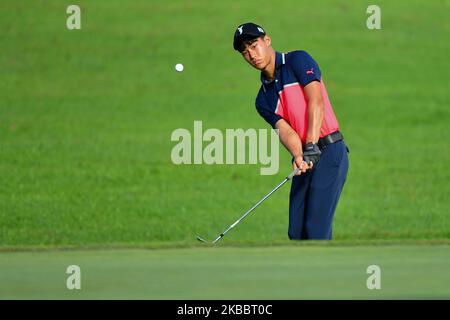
<point x="235" y="146"/>
<point x="74" y="279"/>
<point x="374" y="280"/>
<point x="374" y="20"/>
<point x="74" y="20"/>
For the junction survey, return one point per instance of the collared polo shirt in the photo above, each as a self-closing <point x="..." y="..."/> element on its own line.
<point x="284" y="97"/>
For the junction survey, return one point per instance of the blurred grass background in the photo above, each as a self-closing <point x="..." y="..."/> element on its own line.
<point x="86" y="118"/>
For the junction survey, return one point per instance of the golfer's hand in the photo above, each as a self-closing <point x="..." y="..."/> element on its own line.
<point x="300" y="163"/>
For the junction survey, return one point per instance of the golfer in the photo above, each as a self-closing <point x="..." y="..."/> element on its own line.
<point x="293" y="99"/>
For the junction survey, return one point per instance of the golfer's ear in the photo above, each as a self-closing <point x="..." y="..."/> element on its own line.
<point x="267" y="40"/>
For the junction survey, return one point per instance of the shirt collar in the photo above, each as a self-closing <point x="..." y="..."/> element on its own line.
<point x="279" y="61"/>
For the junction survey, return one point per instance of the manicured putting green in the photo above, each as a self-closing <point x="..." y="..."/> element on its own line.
<point x="230" y="273"/>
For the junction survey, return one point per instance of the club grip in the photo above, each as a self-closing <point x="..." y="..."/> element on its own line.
<point x="293" y="173"/>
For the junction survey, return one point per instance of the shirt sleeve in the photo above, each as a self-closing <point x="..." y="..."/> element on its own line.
<point x="264" y="111"/>
<point x="305" y="67"/>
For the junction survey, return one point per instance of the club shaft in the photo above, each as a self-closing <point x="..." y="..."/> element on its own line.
<point x="257" y="204"/>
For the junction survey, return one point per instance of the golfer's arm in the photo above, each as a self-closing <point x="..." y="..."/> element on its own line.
<point x="315" y="111"/>
<point x="289" y="138"/>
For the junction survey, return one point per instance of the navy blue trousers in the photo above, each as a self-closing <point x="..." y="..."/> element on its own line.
<point x="315" y="194"/>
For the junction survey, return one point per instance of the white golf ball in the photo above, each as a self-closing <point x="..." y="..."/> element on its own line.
<point x="179" y="67"/>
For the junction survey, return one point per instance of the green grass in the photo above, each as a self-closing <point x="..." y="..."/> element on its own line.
<point x="407" y="272"/>
<point x="86" y="118"/>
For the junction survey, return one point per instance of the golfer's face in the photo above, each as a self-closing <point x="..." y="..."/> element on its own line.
<point x="257" y="53"/>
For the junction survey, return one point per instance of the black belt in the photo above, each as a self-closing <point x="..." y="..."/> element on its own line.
<point x="329" y="139"/>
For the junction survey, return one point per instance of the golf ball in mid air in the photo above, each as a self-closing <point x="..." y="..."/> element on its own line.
<point x="179" y="67"/>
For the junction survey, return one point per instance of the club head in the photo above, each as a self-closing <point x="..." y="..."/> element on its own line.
<point x="201" y="239"/>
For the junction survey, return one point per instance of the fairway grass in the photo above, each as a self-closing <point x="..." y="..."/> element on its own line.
<point x="86" y="118"/>
<point x="306" y="272"/>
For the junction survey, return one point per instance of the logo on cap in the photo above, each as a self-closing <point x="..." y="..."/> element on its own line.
<point x="240" y="29"/>
<point x="261" y="30"/>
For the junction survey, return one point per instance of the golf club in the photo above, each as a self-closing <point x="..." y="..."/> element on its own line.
<point x="289" y="177"/>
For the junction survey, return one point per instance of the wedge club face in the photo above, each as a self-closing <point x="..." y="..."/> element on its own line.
<point x="201" y="239"/>
<point x="210" y="242"/>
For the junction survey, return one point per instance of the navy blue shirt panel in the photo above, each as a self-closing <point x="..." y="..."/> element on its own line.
<point x="304" y="66"/>
<point x="265" y="108"/>
<point x="301" y="68"/>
